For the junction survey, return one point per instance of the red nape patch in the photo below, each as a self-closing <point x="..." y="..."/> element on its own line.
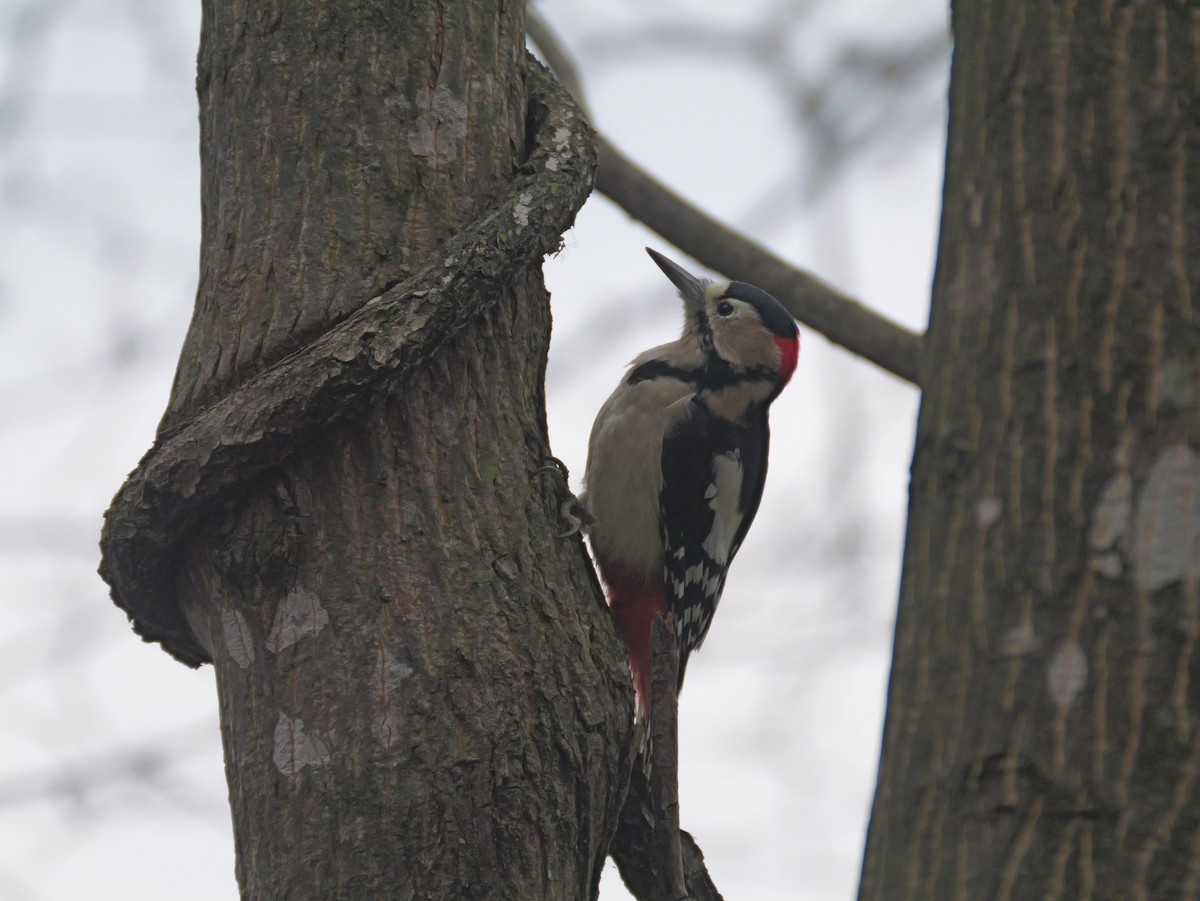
<point x="633" y="602"/>
<point x="789" y="350"/>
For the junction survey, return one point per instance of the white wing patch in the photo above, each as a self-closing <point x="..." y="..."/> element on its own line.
<point x="723" y="496"/>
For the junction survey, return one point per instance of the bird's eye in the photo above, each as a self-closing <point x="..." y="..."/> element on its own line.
<point x="724" y="308"/>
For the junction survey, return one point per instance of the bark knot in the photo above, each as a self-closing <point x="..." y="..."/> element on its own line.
<point x="206" y="459"/>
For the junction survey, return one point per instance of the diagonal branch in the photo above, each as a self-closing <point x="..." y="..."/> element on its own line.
<point x="191" y="468"/>
<point x="811" y="301"/>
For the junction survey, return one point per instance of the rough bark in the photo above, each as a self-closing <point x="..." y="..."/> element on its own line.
<point x="1043" y="726"/>
<point x="421" y="692"/>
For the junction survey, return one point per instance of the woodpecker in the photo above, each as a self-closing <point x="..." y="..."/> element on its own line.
<point x="677" y="460"/>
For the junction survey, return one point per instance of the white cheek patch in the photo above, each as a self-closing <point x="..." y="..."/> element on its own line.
<point x="723" y="496"/>
<point x="743" y="340"/>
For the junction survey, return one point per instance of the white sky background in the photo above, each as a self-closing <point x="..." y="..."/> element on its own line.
<point x="111" y="779"/>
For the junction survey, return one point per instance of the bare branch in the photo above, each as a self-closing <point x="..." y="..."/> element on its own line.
<point x="695" y="873"/>
<point x="194" y="465"/>
<point x="657" y="860"/>
<point x="811" y="301"/>
<point x="664" y="755"/>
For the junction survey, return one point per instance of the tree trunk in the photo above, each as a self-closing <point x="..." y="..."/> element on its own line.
<point x="421" y="693"/>
<point x="1043" y="726"/>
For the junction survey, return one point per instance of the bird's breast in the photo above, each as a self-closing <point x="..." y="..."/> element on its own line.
<point x="624" y="472"/>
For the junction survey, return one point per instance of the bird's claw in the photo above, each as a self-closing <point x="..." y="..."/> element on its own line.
<point x="555" y="467"/>
<point x="576" y="515"/>
<point x="571" y="510"/>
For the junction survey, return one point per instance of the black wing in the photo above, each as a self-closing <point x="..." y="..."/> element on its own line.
<point x="756" y="440"/>
<point x="713" y="474"/>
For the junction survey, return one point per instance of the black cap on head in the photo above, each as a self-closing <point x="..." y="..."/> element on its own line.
<point x="770" y="310"/>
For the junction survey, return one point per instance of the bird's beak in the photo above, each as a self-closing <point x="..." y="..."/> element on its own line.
<point x="691" y="289"/>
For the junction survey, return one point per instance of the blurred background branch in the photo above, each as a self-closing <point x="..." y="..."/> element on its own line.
<point x="813" y="303"/>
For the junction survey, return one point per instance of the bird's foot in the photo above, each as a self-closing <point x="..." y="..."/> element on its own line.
<point x="569" y="508"/>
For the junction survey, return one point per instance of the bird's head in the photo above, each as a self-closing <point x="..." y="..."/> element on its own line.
<point x="736" y="323"/>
